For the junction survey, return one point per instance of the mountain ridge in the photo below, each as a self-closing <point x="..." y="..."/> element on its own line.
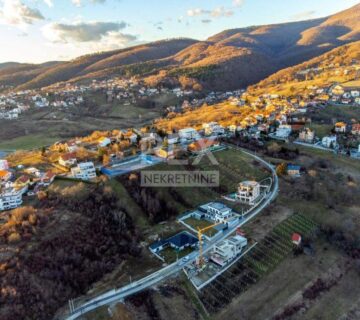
<point x="230" y="59"/>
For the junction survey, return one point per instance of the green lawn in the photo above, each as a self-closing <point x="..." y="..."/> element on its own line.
<point x="321" y="130"/>
<point x="201" y="224"/>
<point x="170" y="255"/>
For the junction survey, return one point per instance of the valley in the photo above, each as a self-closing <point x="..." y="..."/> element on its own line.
<point x="181" y="178"/>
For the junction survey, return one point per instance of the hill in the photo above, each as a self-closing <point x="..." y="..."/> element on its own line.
<point x="14" y="74"/>
<point x="106" y="60"/>
<point x="231" y="59"/>
<point x="340" y="65"/>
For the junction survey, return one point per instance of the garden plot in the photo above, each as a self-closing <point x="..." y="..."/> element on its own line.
<point x="259" y="262"/>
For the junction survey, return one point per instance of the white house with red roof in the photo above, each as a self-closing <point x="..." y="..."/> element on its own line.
<point x="68" y="159"/>
<point x="296" y="238"/>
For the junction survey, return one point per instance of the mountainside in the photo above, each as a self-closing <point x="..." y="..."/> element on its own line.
<point x="103" y="61"/>
<point x="231" y="59"/>
<point x="12" y="73"/>
<point x="339" y="65"/>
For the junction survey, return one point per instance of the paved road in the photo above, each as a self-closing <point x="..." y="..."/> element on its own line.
<point x="174" y="268"/>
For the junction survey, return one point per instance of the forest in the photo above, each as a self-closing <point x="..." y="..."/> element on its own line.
<point x="57" y="250"/>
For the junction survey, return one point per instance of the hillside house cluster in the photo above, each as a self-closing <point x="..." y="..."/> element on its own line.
<point x="17" y="182"/>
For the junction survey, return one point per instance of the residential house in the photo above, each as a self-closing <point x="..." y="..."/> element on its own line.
<point x="68" y="159"/>
<point x="329" y="142"/>
<point x="340" y="127"/>
<point x="4" y="165"/>
<point x="173" y="138"/>
<point x="216" y="211"/>
<point x="22" y="182"/>
<point x="84" y="171"/>
<point x="293" y="170"/>
<point x="178" y="242"/>
<point x="47" y="178"/>
<point x="355" y="129"/>
<point x="355" y="93"/>
<point x="307" y="135"/>
<point x="226" y="250"/>
<point x="103" y="142"/>
<point x="232" y="128"/>
<point x="283" y="131"/>
<point x="10" y="200"/>
<point x="355" y="153"/>
<point x="248" y="192"/>
<point x="165" y="152"/>
<point x="213" y="128"/>
<point x="5" y="175"/>
<point x="148" y="139"/>
<point x="296" y="239"/>
<point x="337" y="90"/>
<point x="203" y="145"/>
<point x="188" y="134"/>
<point x="33" y="171"/>
<point x="131" y="136"/>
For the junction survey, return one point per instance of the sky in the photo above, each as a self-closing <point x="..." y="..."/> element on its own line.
<point x="36" y="31"/>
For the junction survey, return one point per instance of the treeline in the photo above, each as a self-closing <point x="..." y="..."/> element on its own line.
<point x="200" y="73"/>
<point x="83" y="239"/>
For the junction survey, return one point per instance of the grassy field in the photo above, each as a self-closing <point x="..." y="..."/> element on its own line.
<point x="321" y="130"/>
<point x="233" y="167"/>
<point x="27" y="142"/>
<point x="44" y="126"/>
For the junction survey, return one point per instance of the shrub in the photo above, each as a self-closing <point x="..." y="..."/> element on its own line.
<point x="14" y="237"/>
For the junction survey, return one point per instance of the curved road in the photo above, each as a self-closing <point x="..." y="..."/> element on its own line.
<point x="174" y="268"/>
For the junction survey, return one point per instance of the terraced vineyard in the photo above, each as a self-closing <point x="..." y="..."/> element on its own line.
<point x="259" y="262"/>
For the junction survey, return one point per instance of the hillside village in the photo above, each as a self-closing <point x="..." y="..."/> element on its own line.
<point x="164" y="181"/>
<point x="194" y="126"/>
<point x="123" y="90"/>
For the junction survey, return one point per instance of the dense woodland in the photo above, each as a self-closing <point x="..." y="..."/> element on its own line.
<point x="71" y="247"/>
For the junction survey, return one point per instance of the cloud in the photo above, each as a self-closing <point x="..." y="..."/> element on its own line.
<point x="215" y="13"/>
<point x="15" y="12"/>
<point x="303" y="15"/>
<point x="206" y="20"/>
<point x="221" y="12"/>
<point x="238" y="3"/>
<point x="197" y="12"/>
<point x="79" y="3"/>
<point x="81" y="31"/>
<point x="85" y="37"/>
<point x="49" y="3"/>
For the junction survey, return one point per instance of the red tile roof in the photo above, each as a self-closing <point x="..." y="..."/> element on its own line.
<point x="23" y="179"/>
<point x="68" y="156"/>
<point x="296" y="237"/>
